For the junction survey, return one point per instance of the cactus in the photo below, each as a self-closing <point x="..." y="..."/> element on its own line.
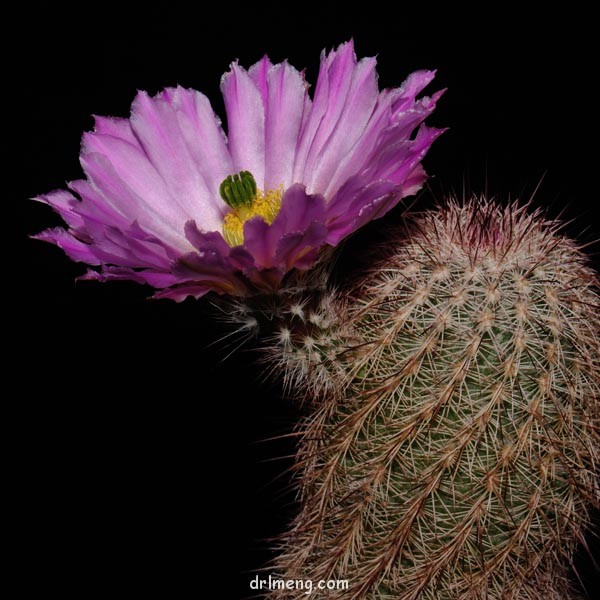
<point x="452" y="445"/>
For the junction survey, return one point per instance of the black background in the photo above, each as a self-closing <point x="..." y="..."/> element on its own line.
<point x="136" y="458"/>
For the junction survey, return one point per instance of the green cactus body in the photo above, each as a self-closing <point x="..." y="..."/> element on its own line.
<point x="452" y="449"/>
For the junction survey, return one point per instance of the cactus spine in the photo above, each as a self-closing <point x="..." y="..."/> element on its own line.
<point x="453" y="450"/>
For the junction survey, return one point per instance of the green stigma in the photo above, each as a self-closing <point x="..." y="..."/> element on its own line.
<point x="238" y="190"/>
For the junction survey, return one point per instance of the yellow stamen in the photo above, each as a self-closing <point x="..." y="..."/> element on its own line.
<point x="264" y="204"/>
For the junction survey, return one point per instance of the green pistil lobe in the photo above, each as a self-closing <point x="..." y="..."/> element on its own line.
<point x="238" y="190"/>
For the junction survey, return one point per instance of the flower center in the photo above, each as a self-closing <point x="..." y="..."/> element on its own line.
<point x="240" y="192"/>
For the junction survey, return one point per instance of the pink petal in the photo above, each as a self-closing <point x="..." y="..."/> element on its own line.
<point x="259" y="73"/>
<point x="205" y="139"/>
<point x="414" y="181"/>
<point x="123" y="248"/>
<point x="73" y="248"/>
<point x="286" y="102"/>
<point x="131" y="166"/>
<point x="357" y="110"/>
<point x="209" y="267"/>
<point x="413" y="85"/>
<point x="117" y="194"/>
<point x="245" y="122"/>
<point x="358" y="156"/>
<point x="350" y="202"/>
<point x="299" y="250"/>
<point x="298" y="211"/>
<point x="119" y="273"/>
<point x="399" y="156"/>
<point x="155" y="124"/>
<point x="180" y="292"/>
<point x="119" y="128"/>
<point x="65" y="204"/>
<point x="333" y="84"/>
<point x="94" y="209"/>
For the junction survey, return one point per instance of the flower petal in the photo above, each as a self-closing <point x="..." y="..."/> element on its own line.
<point x="73" y="248"/>
<point x="94" y="209"/>
<point x="298" y="211"/>
<point x="397" y="157"/>
<point x="358" y="108"/>
<point x="131" y="165"/>
<point x="351" y="201"/>
<point x="119" y="128"/>
<point x="259" y="73"/>
<point x="180" y="292"/>
<point x="205" y="139"/>
<point x="245" y="122"/>
<point x="299" y="250"/>
<point x="333" y="84"/>
<point x="156" y="279"/>
<point x="155" y="124"/>
<point x="124" y="248"/>
<point x="209" y="267"/>
<point x="387" y="125"/>
<point x="122" y="198"/>
<point x="412" y="86"/>
<point x="65" y="204"/>
<point x="286" y="102"/>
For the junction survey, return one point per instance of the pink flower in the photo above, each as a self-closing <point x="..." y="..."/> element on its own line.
<point x="171" y="201"/>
